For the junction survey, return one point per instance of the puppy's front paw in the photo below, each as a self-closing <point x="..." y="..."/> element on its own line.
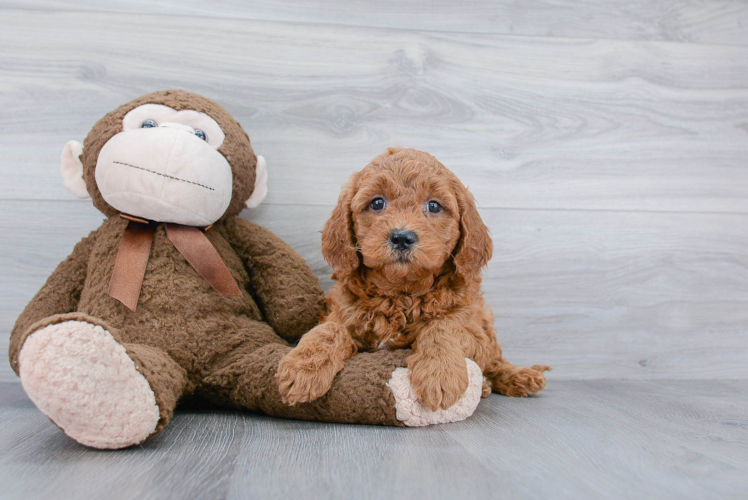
<point x="438" y="382"/>
<point x="525" y="381"/>
<point x="301" y="380"/>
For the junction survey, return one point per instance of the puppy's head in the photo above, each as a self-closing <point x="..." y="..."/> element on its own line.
<point x="405" y="216"/>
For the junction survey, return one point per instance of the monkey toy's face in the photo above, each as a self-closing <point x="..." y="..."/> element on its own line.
<point x="165" y="166"/>
<point x="169" y="157"/>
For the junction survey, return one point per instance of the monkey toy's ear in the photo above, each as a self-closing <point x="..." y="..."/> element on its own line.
<point x="261" y="184"/>
<point x="72" y="169"/>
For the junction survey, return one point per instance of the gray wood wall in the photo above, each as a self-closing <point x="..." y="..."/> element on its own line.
<point x="606" y="145"/>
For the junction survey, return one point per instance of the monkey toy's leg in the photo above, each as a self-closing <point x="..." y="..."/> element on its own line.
<point x="372" y="388"/>
<point x="101" y="392"/>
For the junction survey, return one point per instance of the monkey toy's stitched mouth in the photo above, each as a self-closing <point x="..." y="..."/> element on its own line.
<point x="163" y="175"/>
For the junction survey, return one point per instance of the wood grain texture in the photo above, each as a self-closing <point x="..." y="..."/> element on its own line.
<point x="596" y="439"/>
<point x="526" y="122"/>
<point x="612" y="173"/>
<point x="703" y="21"/>
<point x="593" y="294"/>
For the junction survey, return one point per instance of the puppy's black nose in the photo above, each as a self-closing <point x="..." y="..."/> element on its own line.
<point x="402" y="240"/>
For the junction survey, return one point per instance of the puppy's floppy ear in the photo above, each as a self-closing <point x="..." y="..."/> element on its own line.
<point x="338" y="238"/>
<point x="474" y="249"/>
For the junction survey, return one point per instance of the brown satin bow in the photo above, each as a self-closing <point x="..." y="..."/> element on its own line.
<point x="191" y="242"/>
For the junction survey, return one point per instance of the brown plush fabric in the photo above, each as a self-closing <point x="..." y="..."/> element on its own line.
<point x="185" y="338"/>
<point x="358" y="394"/>
<point x="167" y="379"/>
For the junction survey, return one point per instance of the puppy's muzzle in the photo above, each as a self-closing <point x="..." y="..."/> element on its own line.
<point x="402" y="241"/>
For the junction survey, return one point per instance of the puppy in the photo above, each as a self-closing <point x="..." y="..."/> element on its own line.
<point x="407" y="247"/>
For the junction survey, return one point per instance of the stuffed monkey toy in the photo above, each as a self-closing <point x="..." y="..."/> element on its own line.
<point x="174" y="296"/>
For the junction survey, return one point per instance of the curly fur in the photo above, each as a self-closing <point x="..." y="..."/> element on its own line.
<point x="427" y="298"/>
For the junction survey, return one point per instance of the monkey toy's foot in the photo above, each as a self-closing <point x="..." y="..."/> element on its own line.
<point x="413" y="413"/>
<point x="84" y="381"/>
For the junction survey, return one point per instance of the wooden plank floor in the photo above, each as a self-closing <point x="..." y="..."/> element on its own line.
<point x="577" y="440"/>
<point x="611" y="172"/>
<point x="636" y="295"/>
<point x="701" y="21"/>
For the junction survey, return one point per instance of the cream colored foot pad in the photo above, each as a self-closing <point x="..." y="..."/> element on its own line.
<point x="84" y="381"/>
<point x="412" y="413"/>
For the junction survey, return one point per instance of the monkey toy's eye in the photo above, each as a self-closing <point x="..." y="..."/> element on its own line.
<point x="434" y="207"/>
<point x="201" y="134"/>
<point x="377" y="204"/>
<point x="149" y="124"/>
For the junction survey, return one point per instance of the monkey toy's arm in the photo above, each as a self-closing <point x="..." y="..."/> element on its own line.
<point x="286" y="288"/>
<point x="59" y="295"/>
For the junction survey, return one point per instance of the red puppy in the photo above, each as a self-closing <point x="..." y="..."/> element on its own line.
<point x="407" y="247"/>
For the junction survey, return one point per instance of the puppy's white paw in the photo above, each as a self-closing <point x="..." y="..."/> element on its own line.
<point x="412" y="413"/>
<point x="84" y="381"/>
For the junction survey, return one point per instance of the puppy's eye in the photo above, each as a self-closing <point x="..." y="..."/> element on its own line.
<point x="201" y="134"/>
<point x="377" y="204"/>
<point x="434" y="207"/>
<point x="149" y="124"/>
